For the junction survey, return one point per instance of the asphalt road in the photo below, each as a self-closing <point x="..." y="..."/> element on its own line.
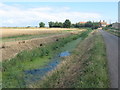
<point x="111" y="43"/>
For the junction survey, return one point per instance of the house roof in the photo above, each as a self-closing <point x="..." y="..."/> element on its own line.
<point x="103" y="23"/>
<point x="82" y="22"/>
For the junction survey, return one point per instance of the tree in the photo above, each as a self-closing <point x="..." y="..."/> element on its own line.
<point x="51" y="24"/>
<point x="67" y="23"/>
<point x="95" y="25"/>
<point x="41" y="24"/>
<point x="79" y="25"/>
<point x="55" y="24"/>
<point x="109" y="25"/>
<point x="60" y="24"/>
<point x="89" y="24"/>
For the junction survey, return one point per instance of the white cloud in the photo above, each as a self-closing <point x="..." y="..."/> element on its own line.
<point x="16" y="16"/>
<point x="41" y="9"/>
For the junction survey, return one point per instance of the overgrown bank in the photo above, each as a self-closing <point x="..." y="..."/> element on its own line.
<point x="85" y="68"/>
<point x="113" y="31"/>
<point x="13" y="70"/>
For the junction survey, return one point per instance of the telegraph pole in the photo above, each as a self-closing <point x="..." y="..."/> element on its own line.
<point x="110" y="21"/>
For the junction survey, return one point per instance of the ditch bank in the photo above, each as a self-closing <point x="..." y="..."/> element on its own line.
<point x="34" y="75"/>
<point x="85" y="68"/>
<point x="10" y="51"/>
<point x="14" y="71"/>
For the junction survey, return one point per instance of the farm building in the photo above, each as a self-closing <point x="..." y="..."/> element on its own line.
<point x="103" y="24"/>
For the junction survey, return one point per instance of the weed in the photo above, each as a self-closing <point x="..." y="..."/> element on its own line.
<point x="88" y="69"/>
<point x="31" y="59"/>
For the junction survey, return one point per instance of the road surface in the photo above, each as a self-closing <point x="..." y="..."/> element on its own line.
<point x="111" y="43"/>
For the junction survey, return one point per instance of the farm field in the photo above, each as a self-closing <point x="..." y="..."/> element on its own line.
<point x="12" y="34"/>
<point x="23" y="39"/>
<point x="35" y="31"/>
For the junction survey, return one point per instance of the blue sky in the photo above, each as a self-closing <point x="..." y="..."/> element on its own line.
<point x="31" y="13"/>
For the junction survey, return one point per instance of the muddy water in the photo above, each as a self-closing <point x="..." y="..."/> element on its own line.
<point x="37" y="74"/>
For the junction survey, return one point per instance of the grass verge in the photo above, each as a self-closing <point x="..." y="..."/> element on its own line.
<point x="113" y="31"/>
<point x="85" y="68"/>
<point x="116" y="33"/>
<point x="95" y="73"/>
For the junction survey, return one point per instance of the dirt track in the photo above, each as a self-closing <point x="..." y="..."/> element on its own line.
<point x="112" y="42"/>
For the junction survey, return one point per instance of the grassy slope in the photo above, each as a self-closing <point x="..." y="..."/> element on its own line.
<point x="113" y="31"/>
<point x="26" y="37"/>
<point x="95" y="69"/>
<point x="13" y="69"/>
<point x="86" y="68"/>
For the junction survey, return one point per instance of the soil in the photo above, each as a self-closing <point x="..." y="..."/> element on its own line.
<point x="11" y="49"/>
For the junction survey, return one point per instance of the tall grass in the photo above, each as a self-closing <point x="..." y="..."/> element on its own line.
<point x="26" y="37"/>
<point x="95" y="72"/>
<point x="85" y="68"/>
<point x="13" y="70"/>
<point x="113" y="31"/>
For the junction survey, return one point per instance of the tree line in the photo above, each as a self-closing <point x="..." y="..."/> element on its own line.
<point x="67" y="24"/>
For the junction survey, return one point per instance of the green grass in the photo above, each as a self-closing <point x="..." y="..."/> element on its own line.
<point x="113" y="31"/>
<point x="116" y="32"/>
<point x="26" y="37"/>
<point x="24" y="61"/>
<point x="86" y="68"/>
<point x="32" y="59"/>
<point x="71" y="45"/>
<point x="95" y="72"/>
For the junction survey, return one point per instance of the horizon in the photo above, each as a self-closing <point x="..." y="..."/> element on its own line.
<point x="55" y="27"/>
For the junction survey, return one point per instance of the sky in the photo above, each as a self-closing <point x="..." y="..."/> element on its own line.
<point x="23" y="14"/>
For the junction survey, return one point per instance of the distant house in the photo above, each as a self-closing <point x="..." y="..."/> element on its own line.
<point x="82" y="22"/>
<point x="103" y="24"/>
<point x="116" y="25"/>
<point x="108" y="24"/>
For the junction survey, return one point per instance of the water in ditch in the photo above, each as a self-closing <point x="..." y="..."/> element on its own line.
<point x="37" y="74"/>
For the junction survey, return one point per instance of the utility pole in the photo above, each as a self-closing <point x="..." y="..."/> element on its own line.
<point x="110" y="21"/>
